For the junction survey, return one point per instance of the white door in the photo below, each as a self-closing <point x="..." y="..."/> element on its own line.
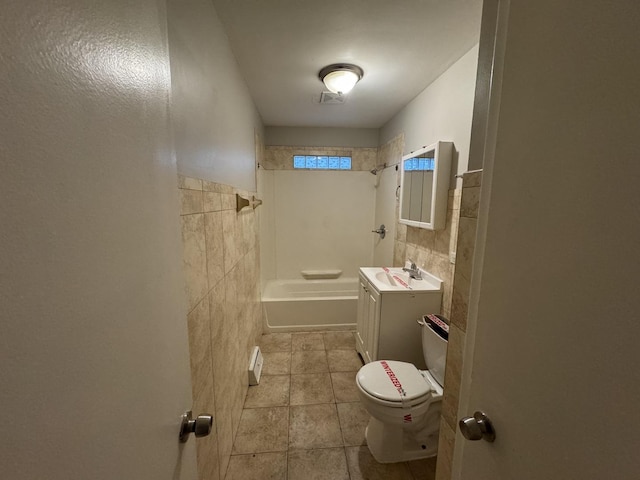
<point x="552" y="342"/>
<point x="94" y="368"/>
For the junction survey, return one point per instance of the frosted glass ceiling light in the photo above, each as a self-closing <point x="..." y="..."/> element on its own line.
<point x="340" y="78"/>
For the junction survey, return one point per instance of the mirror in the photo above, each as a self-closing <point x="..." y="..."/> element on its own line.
<point x="425" y="186"/>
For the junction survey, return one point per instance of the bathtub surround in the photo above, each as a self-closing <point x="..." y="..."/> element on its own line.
<point x="323" y="219"/>
<point x="316" y="220"/>
<point x="224" y="313"/>
<point x="389" y="154"/>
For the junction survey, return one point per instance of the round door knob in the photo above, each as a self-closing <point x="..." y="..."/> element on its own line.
<point x="203" y="424"/>
<point x="200" y="426"/>
<point x="477" y="427"/>
<point x="470" y="428"/>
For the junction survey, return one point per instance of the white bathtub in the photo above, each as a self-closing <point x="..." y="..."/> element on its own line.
<point x="291" y="305"/>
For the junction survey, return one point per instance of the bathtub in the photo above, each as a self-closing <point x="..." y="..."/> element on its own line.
<point x="291" y="305"/>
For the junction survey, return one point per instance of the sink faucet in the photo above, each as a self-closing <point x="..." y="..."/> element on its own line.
<point x="413" y="271"/>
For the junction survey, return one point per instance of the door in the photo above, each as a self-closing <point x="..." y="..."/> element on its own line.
<point x="93" y="337"/>
<point x="552" y="340"/>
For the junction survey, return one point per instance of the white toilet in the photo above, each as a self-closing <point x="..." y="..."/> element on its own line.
<point x="404" y="402"/>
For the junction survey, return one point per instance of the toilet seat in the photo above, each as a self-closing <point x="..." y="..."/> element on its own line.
<point x="394" y="383"/>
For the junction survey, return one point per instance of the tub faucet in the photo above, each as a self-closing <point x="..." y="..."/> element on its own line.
<point x="413" y="271"/>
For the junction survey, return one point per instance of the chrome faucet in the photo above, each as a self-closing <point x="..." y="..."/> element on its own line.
<point x="413" y="271"/>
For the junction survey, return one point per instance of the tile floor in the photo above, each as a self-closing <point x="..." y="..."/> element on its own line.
<point x="304" y="421"/>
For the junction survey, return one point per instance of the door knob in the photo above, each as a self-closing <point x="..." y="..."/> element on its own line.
<point x="200" y="426"/>
<point x="477" y="427"/>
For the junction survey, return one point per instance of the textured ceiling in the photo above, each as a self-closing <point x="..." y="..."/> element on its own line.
<point x="402" y="46"/>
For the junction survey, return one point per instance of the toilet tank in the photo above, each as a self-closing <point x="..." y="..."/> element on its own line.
<point x="435" y="334"/>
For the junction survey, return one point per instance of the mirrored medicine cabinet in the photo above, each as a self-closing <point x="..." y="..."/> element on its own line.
<point x="424" y="186"/>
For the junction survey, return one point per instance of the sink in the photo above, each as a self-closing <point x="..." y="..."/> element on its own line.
<point x="390" y="279"/>
<point x="394" y="279"/>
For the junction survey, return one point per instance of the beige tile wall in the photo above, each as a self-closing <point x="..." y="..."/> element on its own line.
<point x="468" y="218"/>
<point x="430" y="249"/>
<point x="224" y="315"/>
<point x="281" y="157"/>
<point x="391" y="154"/>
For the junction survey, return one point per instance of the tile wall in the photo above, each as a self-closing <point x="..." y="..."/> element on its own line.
<point x="221" y="268"/>
<point x="281" y="157"/>
<point x="391" y="153"/>
<point x="431" y="249"/>
<point x="466" y="236"/>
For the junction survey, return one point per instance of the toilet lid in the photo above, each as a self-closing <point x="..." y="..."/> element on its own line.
<point x="388" y="379"/>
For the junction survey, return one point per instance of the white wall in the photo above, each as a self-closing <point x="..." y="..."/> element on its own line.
<point x="212" y="112"/>
<point x="443" y="111"/>
<point x="322" y="137"/>
<point x="323" y="220"/>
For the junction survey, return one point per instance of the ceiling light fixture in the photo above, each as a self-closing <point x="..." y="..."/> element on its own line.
<point x="340" y="78"/>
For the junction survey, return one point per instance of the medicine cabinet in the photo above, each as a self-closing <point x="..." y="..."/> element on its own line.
<point x="424" y="191"/>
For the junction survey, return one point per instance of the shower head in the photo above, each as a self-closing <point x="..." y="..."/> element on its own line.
<point x="378" y="168"/>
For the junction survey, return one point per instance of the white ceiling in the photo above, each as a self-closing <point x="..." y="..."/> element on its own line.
<point x="402" y="46"/>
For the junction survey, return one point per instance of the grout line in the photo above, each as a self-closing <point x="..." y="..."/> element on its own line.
<point x="290" y="411"/>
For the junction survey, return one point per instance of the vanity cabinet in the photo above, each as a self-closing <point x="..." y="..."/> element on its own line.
<point x="387" y="327"/>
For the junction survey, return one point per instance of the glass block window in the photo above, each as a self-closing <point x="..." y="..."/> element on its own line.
<point x="299" y="161"/>
<point x="420" y="164"/>
<point x="311" y="162"/>
<point x="321" y="162"/>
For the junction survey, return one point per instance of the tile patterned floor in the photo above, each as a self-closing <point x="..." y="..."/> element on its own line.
<point x="304" y="421"/>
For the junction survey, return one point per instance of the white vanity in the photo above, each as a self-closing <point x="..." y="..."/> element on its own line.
<point x="389" y="304"/>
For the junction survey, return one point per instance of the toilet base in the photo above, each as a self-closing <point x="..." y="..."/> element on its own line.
<point x="392" y="444"/>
